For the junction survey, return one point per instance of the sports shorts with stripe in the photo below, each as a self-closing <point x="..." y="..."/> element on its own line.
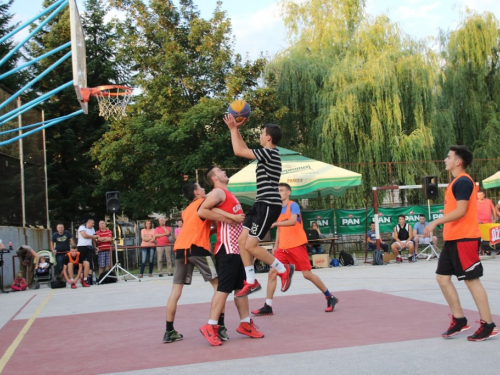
<point x="230" y="270"/>
<point x="186" y="260"/>
<point x="460" y="258"/>
<point x="259" y="218"/>
<point x="296" y="255"/>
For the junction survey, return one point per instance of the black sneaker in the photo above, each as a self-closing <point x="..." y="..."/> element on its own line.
<point x="171" y="336"/>
<point x="266" y="310"/>
<point x="456" y="326"/>
<point x="410" y="259"/>
<point x="330" y="303"/>
<point x="484" y="332"/>
<point x="223" y="333"/>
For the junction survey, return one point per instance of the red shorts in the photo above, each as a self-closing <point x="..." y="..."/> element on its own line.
<point x="296" y="255"/>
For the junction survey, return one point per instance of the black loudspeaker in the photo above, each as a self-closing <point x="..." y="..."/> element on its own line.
<point x="430" y="187"/>
<point x="113" y="201"/>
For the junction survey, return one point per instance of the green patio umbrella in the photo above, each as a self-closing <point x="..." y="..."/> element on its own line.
<point x="307" y="177"/>
<point x="492" y="181"/>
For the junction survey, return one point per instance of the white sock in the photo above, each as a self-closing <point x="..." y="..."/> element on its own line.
<point x="250" y="272"/>
<point x="269" y="302"/>
<point x="278" y="266"/>
<point x="212" y="322"/>
<point x="245" y="320"/>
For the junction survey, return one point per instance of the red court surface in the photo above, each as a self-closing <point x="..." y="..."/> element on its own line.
<point x="132" y="339"/>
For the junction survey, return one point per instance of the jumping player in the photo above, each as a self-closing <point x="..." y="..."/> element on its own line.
<point x="227" y="256"/>
<point x="191" y="249"/>
<point x="267" y="206"/>
<point x="290" y="247"/>
<point x="460" y="256"/>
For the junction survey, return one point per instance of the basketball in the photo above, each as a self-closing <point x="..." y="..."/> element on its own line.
<point x="240" y="110"/>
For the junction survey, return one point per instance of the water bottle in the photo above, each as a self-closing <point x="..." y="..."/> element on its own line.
<point x="10" y="245"/>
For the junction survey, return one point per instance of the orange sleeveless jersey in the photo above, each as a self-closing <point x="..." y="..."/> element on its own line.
<point x="467" y="226"/>
<point x="195" y="231"/>
<point x="291" y="236"/>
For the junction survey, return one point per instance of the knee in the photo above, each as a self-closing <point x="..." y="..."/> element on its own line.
<point x="308" y="275"/>
<point x="443" y="279"/>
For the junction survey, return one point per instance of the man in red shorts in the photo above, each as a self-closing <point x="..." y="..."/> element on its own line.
<point x="460" y="254"/>
<point x="290" y="247"/>
<point x="228" y="261"/>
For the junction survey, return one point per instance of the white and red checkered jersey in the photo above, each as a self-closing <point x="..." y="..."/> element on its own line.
<point x="228" y="234"/>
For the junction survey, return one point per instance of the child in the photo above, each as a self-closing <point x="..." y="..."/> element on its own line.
<point x="42" y="266"/>
<point x="19" y="283"/>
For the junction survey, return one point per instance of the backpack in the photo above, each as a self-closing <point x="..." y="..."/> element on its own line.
<point x="334" y="263"/>
<point x="57" y="284"/>
<point x="108" y="280"/>
<point x="378" y="260"/>
<point x="346" y="259"/>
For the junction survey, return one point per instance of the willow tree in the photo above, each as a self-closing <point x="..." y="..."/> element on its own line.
<point x="471" y="83"/>
<point x="360" y="89"/>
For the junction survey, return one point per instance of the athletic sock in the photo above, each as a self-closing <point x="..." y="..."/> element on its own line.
<point x="250" y="273"/>
<point x="245" y="320"/>
<point x="170" y="326"/>
<point x="221" y="319"/>
<point x="212" y="322"/>
<point x="327" y="293"/>
<point x="269" y="302"/>
<point x="278" y="266"/>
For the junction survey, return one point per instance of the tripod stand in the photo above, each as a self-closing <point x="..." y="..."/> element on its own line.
<point x="431" y="249"/>
<point x="2" y="252"/>
<point x="117" y="266"/>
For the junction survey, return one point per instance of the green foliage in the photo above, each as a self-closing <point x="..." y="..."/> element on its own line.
<point x="188" y="72"/>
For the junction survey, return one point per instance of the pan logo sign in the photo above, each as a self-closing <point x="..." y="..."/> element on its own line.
<point x="350" y="220"/>
<point x="383" y="219"/>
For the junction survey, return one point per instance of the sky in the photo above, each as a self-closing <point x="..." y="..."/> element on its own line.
<point x="258" y="28"/>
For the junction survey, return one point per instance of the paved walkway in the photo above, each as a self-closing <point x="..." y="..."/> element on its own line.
<point x="388" y="321"/>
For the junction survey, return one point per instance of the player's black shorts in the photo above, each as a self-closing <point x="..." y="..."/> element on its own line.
<point x="230" y="270"/>
<point x="87" y="254"/>
<point x="259" y="218"/>
<point x="460" y="258"/>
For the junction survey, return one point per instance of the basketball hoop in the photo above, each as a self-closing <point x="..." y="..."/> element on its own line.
<point x="112" y="99"/>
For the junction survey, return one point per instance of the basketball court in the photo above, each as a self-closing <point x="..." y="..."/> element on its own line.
<point x="389" y="320"/>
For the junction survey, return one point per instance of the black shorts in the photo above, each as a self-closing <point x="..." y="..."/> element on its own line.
<point x="259" y="218"/>
<point x="460" y="258"/>
<point x="87" y="254"/>
<point x="230" y="270"/>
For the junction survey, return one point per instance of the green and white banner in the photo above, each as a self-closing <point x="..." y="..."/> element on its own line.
<point x="324" y="219"/>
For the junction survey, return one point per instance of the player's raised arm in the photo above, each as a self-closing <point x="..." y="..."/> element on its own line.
<point x="240" y="148"/>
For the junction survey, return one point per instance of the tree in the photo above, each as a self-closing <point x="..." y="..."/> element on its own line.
<point x="15" y="81"/>
<point x="187" y="72"/>
<point x="471" y="83"/>
<point x="363" y="93"/>
<point x="72" y="175"/>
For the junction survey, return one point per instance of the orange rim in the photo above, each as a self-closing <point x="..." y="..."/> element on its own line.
<point x="100" y="91"/>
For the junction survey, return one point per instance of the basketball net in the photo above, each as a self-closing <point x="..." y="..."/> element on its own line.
<point x="112" y="100"/>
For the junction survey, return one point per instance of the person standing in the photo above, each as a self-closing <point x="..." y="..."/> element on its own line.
<point x="85" y="244"/>
<point x="162" y="232"/>
<point x="267" y="207"/>
<point x="28" y="259"/>
<point x="148" y="247"/>
<point x="192" y="249"/>
<point x="104" y="240"/>
<point x="230" y="269"/>
<point x="485" y="209"/>
<point x="178" y="229"/>
<point x="460" y="256"/>
<point x="290" y="247"/>
<point x="59" y="244"/>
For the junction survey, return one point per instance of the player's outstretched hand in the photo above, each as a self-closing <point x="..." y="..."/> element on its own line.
<point x="231" y="121"/>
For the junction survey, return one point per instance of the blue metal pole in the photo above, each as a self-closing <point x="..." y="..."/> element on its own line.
<point x="43" y="97"/>
<point x="36" y="79"/>
<point x="25" y="65"/>
<point x="27" y="23"/>
<point x="44" y="22"/>
<point x="53" y="122"/>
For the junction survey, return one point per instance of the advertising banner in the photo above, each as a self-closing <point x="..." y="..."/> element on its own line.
<point x="324" y="219"/>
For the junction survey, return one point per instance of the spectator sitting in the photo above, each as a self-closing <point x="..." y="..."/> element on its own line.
<point x="485" y="209"/>
<point x="418" y="229"/>
<point x="71" y="261"/>
<point x="19" y="283"/>
<point x="372" y="241"/>
<point x="42" y="266"/>
<point x="402" y="239"/>
<point x="314" y="234"/>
